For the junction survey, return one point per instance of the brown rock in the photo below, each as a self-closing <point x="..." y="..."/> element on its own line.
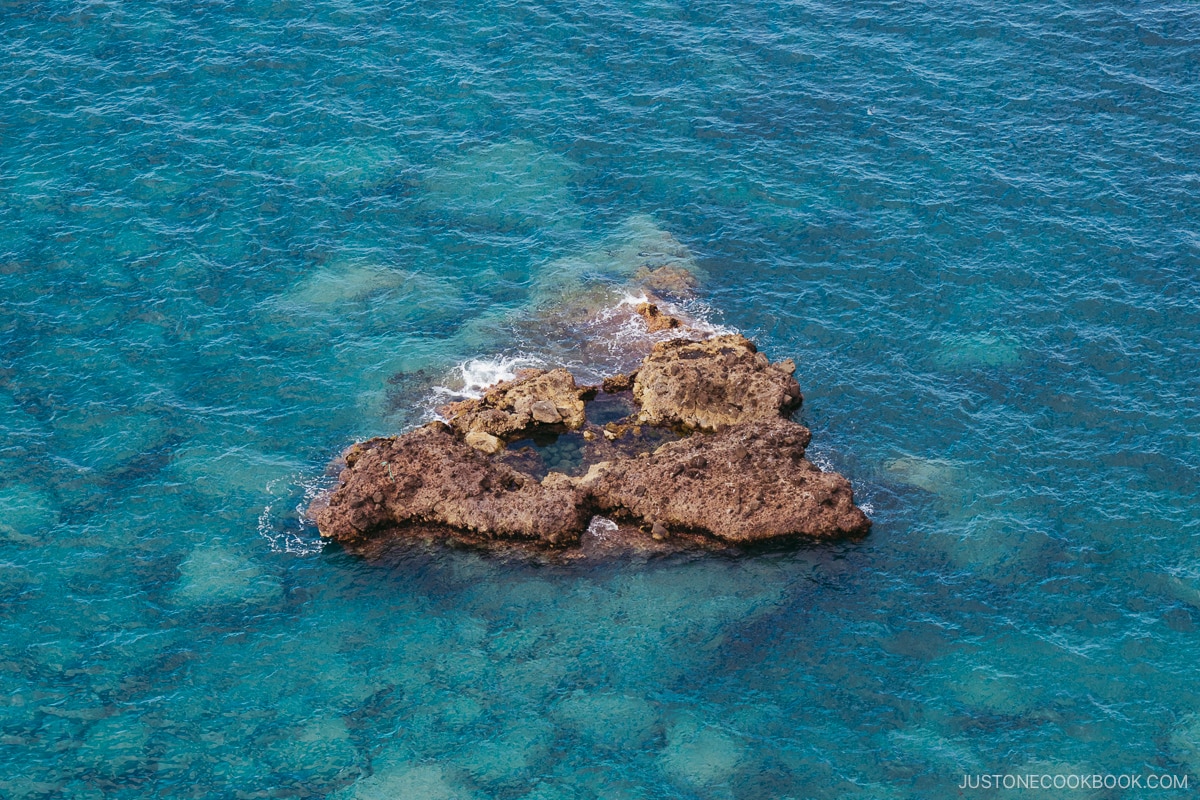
<point x="484" y="442"/>
<point x="515" y="408"/>
<point x="656" y="320"/>
<point x="711" y="384"/>
<point x="740" y="477"/>
<point x="558" y="480"/>
<point x="618" y="383"/>
<point x="617" y="429"/>
<point x="545" y="412"/>
<point x="706" y="484"/>
<point x="431" y="477"/>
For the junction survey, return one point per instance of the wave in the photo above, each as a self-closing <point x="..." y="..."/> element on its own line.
<point x="594" y="343"/>
<point x="473" y="377"/>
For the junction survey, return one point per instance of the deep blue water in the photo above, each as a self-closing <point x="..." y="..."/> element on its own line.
<point x="237" y="236"/>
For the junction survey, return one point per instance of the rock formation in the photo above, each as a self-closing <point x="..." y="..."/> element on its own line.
<point x="536" y="399"/>
<point x="430" y="476"/>
<point x="655" y="320"/>
<point x="713" y="383"/>
<point x="697" y="449"/>
<point x="747" y="483"/>
<point x="671" y="279"/>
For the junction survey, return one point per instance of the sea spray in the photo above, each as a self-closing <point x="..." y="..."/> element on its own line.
<point x="477" y="374"/>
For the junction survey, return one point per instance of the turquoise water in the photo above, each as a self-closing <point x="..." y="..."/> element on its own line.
<point x="236" y="236"/>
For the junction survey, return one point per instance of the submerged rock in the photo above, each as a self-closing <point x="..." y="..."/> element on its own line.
<point x="704" y="456"/>
<point x="215" y="575"/>
<point x="1185" y="742"/>
<point x="698" y="756"/>
<point x="668" y="279"/>
<point x="404" y="780"/>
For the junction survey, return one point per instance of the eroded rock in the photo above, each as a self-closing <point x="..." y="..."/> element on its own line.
<point x="656" y="320"/>
<point x="430" y="476"/>
<point x="484" y="442"/>
<point x="748" y="483"/>
<point x="510" y="409"/>
<point x="704" y="456"/>
<point x="619" y="383"/>
<point x="711" y="384"/>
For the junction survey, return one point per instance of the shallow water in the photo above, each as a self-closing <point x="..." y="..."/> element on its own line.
<point x="236" y="236"/>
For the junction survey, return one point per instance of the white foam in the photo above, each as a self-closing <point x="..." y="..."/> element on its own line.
<point x="821" y="460"/>
<point x="299" y="537"/>
<point x="626" y="332"/>
<point x="601" y="527"/>
<point x="863" y="492"/>
<point x="696" y="316"/>
<point x="478" y="374"/>
<point x="630" y="299"/>
<point x="617" y="337"/>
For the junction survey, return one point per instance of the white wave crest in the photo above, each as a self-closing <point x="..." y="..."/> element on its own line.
<point x="477" y="374"/>
<point x="625" y="332"/>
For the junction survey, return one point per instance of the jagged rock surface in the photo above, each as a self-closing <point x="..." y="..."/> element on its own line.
<point x="656" y="320"/>
<point x="431" y="476"/>
<point x="748" y="483"/>
<point x="535" y="399"/>
<point x="712" y="384"/>
<point x="740" y="477"/>
<point x="619" y="383"/>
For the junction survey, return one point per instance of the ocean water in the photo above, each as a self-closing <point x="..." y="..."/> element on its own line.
<point x="238" y="235"/>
